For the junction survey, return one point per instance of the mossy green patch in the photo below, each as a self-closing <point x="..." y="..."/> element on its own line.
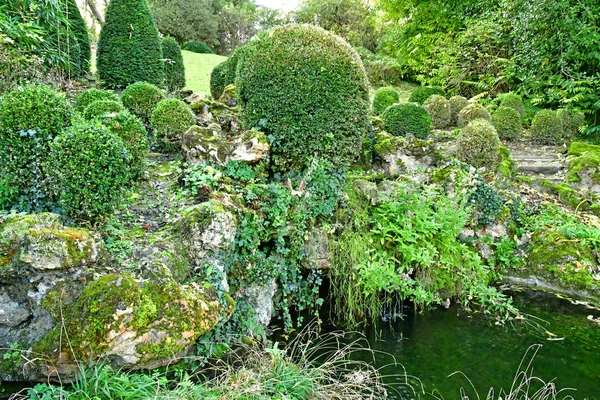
<point x="584" y="157"/>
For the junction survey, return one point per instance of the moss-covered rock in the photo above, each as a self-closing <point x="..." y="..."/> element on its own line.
<point x="584" y="166"/>
<point x="204" y="144"/>
<point x="402" y="154"/>
<point x="228" y="97"/>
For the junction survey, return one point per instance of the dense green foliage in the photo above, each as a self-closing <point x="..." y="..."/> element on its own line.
<point x="186" y="20"/>
<point x="197" y="47"/>
<point x="407" y="119"/>
<point x="507" y="122"/>
<point x="171" y="119"/>
<point x="329" y="119"/>
<point x="79" y="29"/>
<point x="383" y="98"/>
<point x="218" y="79"/>
<point x="514" y="101"/>
<point x="422" y="93"/>
<point x="174" y="68"/>
<point x="99" y="108"/>
<point x="457" y="103"/>
<point x="86" y="98"/>
<point x="30" y="118"/>
<point x="472" y="112"/>
<point x="478" y="144"/>
<point x="571" y="121"/>
<point x="129" y="47"/>
<point x="92" y="170"/>
<point x="546" y="128"/>
<point x="132" y="132"/>
<point x="382" y="70"/>
<point x="141" y="98"/>
<point x="439" y="109"/>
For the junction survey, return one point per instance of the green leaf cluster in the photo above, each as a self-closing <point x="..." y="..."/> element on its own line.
<point x="174" y="67"/>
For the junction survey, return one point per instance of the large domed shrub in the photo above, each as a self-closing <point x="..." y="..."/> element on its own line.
<point x="79" y="29"/>
<point x="571" y="120"/>
<point x="439" y="109"/>
<point x="141" y="98"/>
<point x="514" y="101"/>
<point x="478" y="144"/>
<point x="132" y="132"/>
<point x="507" y="122"/>
<point x="405" y="119"/>
<point x="101" y="107"/>
<point x="91" y="95"/>
<point x="218" y="79"/>
<point x="546" y="128"/>
<point x="457" y="103"/>
<point x="92" y="168"/>
<point x="129" y="47"/>
<point x="422" y="93"/>
<point x="472" y="112"/>
<point x="171" y="119"/>
<point x="384" y="97"/>
<point x="197" y="47"/>
<point x="307" y="89"/>
<point x="174" y="68"/>
<point x="30" y="118"/>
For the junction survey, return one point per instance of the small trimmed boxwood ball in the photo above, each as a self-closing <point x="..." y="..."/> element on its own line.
<point x="472" y="112"/>
<point x="478" y="144"/>
<point x="457" y="103"/>
<point x="514" y="101"/>
<point x="91" y="95"/>
<point x="171" y="119"/>
<point x="307" y="90"/>
<point x="101" y="107"/>
<point x="218" y="79"/>
<point x="439" y="109"/>
<point x="571" y="120"/>
<point x="141" y="98"/>
<point x="546" y="128"/>
<point x="174" y="68"/>
<point x="507" y="122"/>
<point x="422" y="93"/>
<point x="384" y="97"/>
<point x="405" y="119"/>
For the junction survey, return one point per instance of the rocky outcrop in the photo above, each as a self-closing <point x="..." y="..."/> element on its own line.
<point x="404" y="154"/>
<point x="584" y="167"/>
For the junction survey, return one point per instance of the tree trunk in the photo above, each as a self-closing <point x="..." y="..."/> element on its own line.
<point x="94" y="10"/>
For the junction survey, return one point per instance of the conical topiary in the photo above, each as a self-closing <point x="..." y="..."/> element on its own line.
<point x="129" y="48"/>
<point x="79" y="29"/>
<point x="174" y="68"/>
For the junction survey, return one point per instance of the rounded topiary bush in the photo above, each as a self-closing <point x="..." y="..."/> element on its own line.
<point x="546" y="128"/>
<point x="171" y="119"/>
<point x="478" y="144"/>
<point x="407" y="119"/>
<point x="174" y="68"/>
<point x="92" y="170"/>
<point x="507" y="122"/>
<point x="457" y="103"/>
<point x="384" y="97"/>
<point x="30" y="118"/>
<point x="141" y="98"/>
<point x="422" y="93"/>
<point x="129" y="46"/>
<point x="197" y="47"/>
<point x="91" y="95"/>
<point x="571" y="120"/>
<point x="514" y="101"/>
<point x="218" y="79"/>
<point x="132" y="132"/>
<point x="472" y="112"/>
<point x="439" y="109"/>
<point x="307" y="89"/>
<point x="101" y="107"/>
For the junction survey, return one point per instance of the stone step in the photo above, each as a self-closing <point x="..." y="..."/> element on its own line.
<point x="547" y="157"/>
<point x="547" y="168"/>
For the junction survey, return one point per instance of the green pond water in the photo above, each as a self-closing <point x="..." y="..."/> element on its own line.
<point x="434" y="344"/>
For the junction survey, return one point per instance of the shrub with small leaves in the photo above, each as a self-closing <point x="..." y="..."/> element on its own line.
<point x="571" y="120"/>
<point x="478" y="144"/>
<point x="514" y="101"/>
<point x="197" y="47"/>
<point x="30" y="118"/>
<point x="135" y="137"/>
<point x="405" y="119"/>
<point x="141" y="98"/>
<point x="384" y="97"/>
<point x="422" y="93"/>
<point x="457" y="103"/>
<point x="91" y="95"/>
<point x="218" y="79"/>
<point x="439" y="109"/>
<point x="507" y="122"/>
<point x="101" y="107"/>
<point x="174" y="67"/>
<point x="171" y="119"/>
<point x="472" y="112"/>
<point x="546" y="128"/>
<point x="487" y="204"/>
<point x="92" y="169"/>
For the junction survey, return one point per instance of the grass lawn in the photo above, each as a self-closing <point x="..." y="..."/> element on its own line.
<point x="198" y="68"/>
